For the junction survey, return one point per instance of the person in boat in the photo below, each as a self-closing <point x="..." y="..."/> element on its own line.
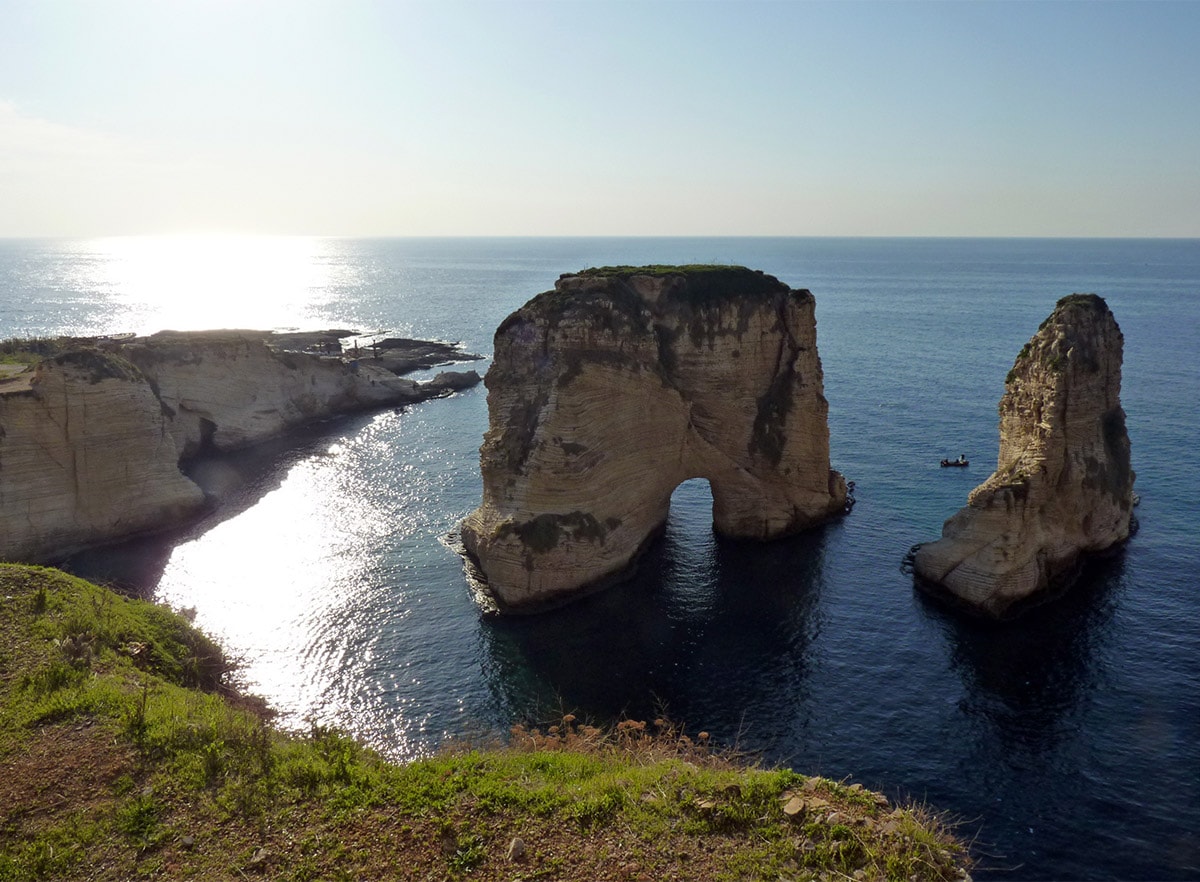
<point x="962" y="457"/>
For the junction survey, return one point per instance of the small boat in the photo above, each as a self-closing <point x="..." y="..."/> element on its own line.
<point x="956" y="463"/>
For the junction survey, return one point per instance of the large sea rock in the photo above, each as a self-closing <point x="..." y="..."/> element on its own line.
<point x="92" y="439"/>
<point x="609" y="391"/>
<point x="1063" y="486"/>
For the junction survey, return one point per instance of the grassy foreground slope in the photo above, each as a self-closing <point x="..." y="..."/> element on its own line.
<point x="123" y="755"/>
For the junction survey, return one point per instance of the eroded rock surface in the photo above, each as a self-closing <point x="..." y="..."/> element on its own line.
<point x="86" y="456"/>
<point x="1063" y="486"/>
<point x="227" y="389"/>
<point x="91" y="440"/>
<point x="609" y="391"/>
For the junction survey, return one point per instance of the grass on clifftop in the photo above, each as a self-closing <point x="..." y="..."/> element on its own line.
<point x="125" y="756"/>
<point x="18" y="350"/>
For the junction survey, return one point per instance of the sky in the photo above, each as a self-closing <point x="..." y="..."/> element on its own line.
<point x="689" y="118"/>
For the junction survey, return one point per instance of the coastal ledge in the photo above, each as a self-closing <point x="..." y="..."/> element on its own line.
<point x="94" y="431"/>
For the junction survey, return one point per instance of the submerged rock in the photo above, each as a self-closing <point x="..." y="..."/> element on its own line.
<point x="1063" y="486"/>
<point x="446" y="382"/>
<point x="609" y="391"/>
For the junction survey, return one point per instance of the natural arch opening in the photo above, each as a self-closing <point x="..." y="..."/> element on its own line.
<point x="689" y="541"/>
<point x="691" y="509"/>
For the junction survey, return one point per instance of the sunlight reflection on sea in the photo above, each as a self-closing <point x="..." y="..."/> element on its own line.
<point x="191" y="283"/>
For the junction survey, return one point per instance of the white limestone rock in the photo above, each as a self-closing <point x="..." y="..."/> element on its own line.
<point x="229" y="389"/>
<point x="608" y="392"/>
<point x="86" y="456"/>
<point x="1063" y="486"/>
<point x="91" y="440"/>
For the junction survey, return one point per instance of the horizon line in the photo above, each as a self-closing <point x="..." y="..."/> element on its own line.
<point x="215" y="234"/>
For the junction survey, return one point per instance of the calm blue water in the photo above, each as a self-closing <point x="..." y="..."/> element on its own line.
<point x="1068" y="742"/>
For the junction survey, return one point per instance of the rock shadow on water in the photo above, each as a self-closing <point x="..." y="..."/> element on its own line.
<point x="233" y="483"/>
<point x="1025" y="679"/>
<point x="700" y="640"/>
<point x="1029" y="687"/>
<point x="1047" y="729"/>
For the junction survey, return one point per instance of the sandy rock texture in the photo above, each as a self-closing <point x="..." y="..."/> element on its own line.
<point x="86" y="456"/>
<point x="227" y="389"/>
<point x="91" y="440"/>
<point x="1063" y="486"/>
<point x="609" y="391"/>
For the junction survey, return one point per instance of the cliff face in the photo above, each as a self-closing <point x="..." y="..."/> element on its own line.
<point x="608" y="392"/>
<point x="227" y="389"/>
<point x="86" y="456"/>
<point x="91" y="440"/>
<point x="1063" y="485"/>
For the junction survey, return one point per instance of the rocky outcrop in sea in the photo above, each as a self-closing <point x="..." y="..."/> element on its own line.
<point x="1063" y="486"/>
<point x="609" y="391"/>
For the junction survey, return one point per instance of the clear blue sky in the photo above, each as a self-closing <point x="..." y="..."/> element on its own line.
<point x="599" y="118"/>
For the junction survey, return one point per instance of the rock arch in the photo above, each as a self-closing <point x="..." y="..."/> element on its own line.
<point x="620" y="384"/>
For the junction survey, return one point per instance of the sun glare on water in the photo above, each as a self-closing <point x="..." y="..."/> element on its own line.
<point x="200" y="282"/>
<point x="278" y="583"/>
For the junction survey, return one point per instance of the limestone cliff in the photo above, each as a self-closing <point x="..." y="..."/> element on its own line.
<point x="86" y="456"/>
<point x="1063" y="485"/>
<point x="228" y="389"/>
<point x="91" y="440"/>
<point x="609" y="391"/>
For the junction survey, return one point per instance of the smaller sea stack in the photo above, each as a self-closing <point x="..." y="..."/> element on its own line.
<point x="1063" y="486"/>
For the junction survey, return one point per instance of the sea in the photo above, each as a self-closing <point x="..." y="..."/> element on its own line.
<point x="1065" y="744"/>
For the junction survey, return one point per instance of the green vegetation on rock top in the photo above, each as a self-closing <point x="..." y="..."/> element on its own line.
<point x="31" y="350"/>
<point x="614" y="303"/>
<point x="101" y="365"/>
<point x="704" y="281"/>
<point x="1091" y="301"/>
<point x="663" y="269"/>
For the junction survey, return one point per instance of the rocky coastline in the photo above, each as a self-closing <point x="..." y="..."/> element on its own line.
<point x="94" y="432"/>
<point x="605" y="394"/>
